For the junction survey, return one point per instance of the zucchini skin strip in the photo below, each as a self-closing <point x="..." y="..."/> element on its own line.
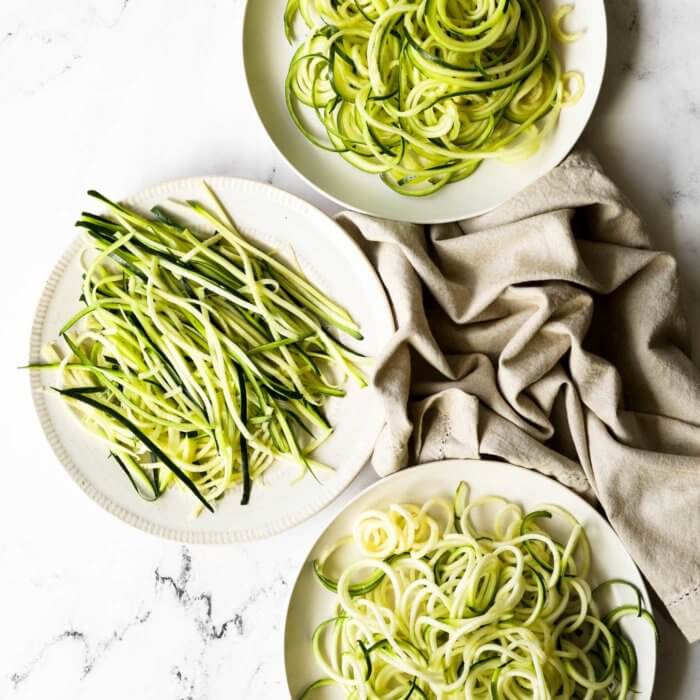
<point x="245" y="466"/>
<point x="153" y="485"/>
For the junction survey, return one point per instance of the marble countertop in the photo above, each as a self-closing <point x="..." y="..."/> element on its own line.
<point x="123" y="93"/>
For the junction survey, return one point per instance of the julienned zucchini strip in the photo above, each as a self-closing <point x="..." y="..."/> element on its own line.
<point x="82" y="396"/>
<point x="198" y="358"/>
<point x="422" y="92"/>
<point x="471" y="598"/>
<point x="245" y="466"/>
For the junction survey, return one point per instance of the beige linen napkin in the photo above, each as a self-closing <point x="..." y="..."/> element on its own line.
<point x="548" y="333"/>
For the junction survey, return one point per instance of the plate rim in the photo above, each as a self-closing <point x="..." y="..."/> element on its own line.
<point x="428" y="466"/>
<point x="221" y="536"/>
<point x="425" y="221"/>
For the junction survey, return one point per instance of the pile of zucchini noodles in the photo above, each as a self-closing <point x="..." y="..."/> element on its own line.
<point x="421" y="92"/>
<point x="452" y="609"/>
<point x="198" y="359"/>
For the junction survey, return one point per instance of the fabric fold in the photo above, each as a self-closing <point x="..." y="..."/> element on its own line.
<point x="548" y="333"/>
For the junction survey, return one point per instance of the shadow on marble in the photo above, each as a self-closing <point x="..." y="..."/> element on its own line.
<point x="623" y="68"/>
<point x="673" y="660"/>
<point x="633" y="152"/>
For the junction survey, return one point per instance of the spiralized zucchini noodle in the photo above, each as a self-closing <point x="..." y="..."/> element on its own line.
<point x="558" y="31"/>
<point x="421" y="92"/>
<point x="451" y="608"/>
<point x="198" y="359"/>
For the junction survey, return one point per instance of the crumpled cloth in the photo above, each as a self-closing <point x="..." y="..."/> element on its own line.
<point x="548" y="333"/>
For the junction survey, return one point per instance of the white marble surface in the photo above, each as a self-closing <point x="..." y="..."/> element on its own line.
<point x="122" y="93"/>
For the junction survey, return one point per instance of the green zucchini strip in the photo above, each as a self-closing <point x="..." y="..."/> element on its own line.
<point x="199" y="358"/>
<point x="81" y="396"/>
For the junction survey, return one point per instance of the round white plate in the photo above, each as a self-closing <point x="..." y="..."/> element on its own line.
<point x="310" y="603"/>
<point x="267" y="55"/>
<point x="330" y="259"/>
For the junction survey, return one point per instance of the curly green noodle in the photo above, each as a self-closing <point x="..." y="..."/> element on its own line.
<point x="421" y="92"/>
<point x="451" y="609"/>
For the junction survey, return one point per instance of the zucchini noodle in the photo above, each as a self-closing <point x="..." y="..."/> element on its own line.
<point x="197" y="359"/>
<point x="557" y="30"/>
<point x="421" y="92"/>
<point x="571" y="98"/>
<point x="449" y="608"/>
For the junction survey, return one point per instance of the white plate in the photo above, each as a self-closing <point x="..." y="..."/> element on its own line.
<point x="267" y="55"/>
<point x="310" y="603"/>
<point x="330" y="259"/>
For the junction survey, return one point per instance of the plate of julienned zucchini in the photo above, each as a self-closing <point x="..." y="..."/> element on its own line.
<point x="202" y="358"/>
<point x="469" y="579"/>
<point x="425" y="111"/>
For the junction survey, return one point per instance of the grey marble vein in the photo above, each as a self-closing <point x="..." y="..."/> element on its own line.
<point x="207" y="627"/>
<point x="192" y="672"/>
<point x="91" y="654"/>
